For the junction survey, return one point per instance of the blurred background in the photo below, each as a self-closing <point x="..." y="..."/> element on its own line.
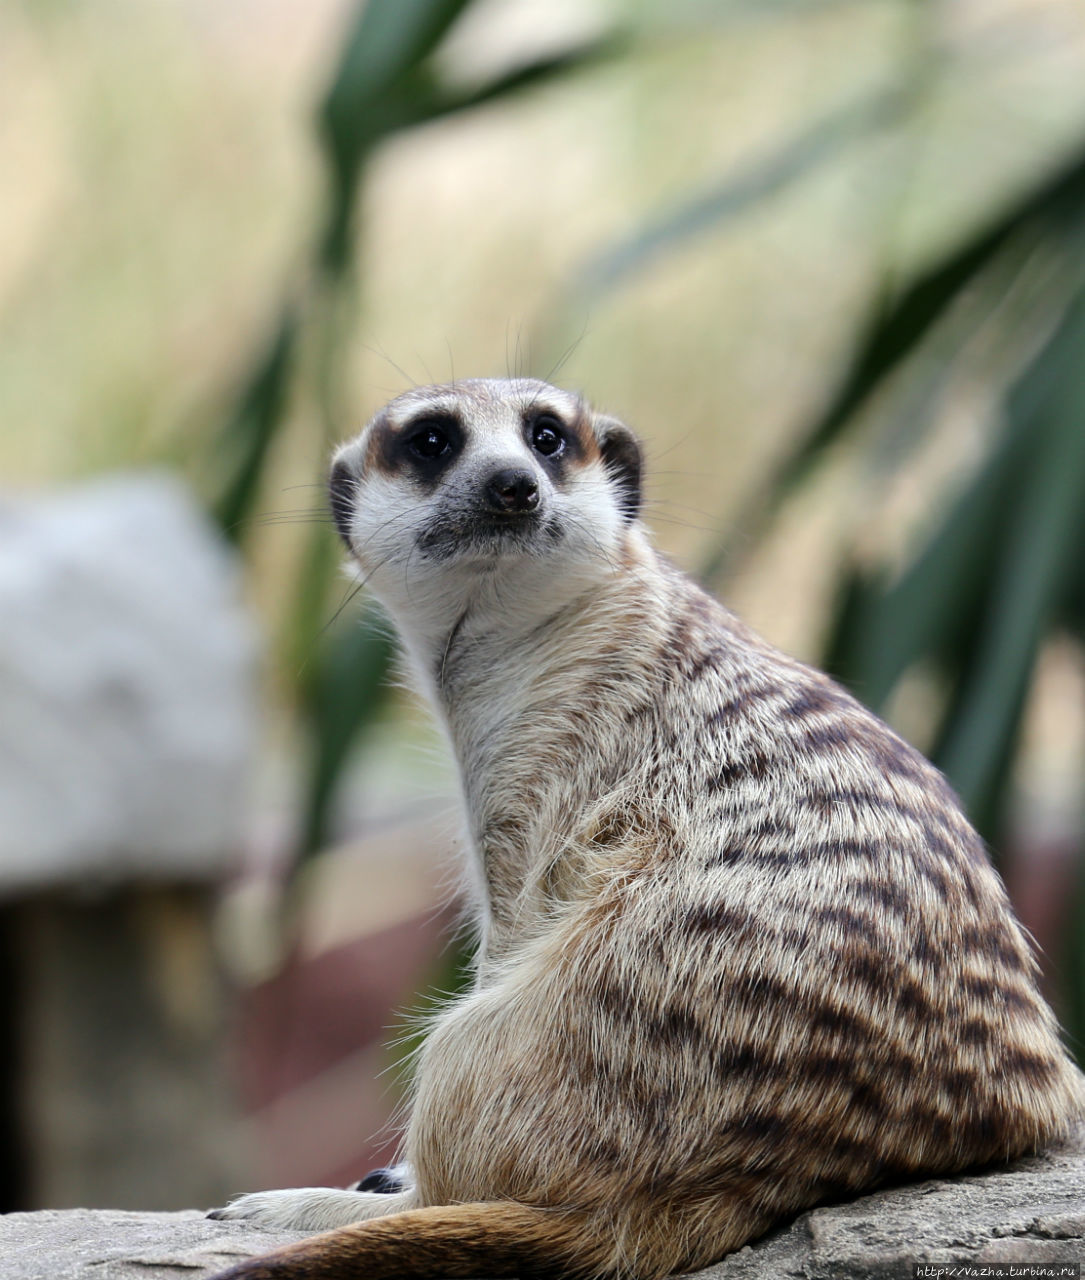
<point x="826" y="256"/>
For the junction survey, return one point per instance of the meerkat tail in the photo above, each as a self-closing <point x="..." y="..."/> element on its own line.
<point x="497" y="1238"/>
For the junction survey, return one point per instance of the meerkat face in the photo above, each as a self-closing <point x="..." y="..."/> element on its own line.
<point x="482" y="473"/>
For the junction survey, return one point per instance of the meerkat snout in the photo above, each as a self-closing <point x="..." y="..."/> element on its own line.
<point x="512" y="492"/>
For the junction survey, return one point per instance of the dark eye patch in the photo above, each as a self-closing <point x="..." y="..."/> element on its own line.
<point x="423" y="447"/>
<point x="550" y="439"/>
<point x="547" y="435"/>
<point x="429" y="442"/>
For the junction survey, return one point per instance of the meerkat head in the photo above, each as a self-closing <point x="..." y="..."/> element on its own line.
<point x="474" y="476"/>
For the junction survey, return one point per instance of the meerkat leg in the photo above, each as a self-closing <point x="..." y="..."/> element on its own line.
<point x="314" y="1208"/>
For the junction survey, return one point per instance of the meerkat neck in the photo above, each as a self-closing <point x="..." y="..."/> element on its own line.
<point x="518" y="641"/>
<point x="508" y="689"/>
<point x="479" y="618"/>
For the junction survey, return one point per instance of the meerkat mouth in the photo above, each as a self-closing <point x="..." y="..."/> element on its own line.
<point x="482" y="535"/>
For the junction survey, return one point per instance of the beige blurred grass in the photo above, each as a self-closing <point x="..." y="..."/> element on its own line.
<point x="160" y="179"/>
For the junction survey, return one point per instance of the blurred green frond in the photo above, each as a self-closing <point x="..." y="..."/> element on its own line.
<point x="934" y="606"/>
<point x="344" y="690"/>
<point x="247" y="436"/>
<point x="387" y="81"/>
<point x="900" y="323"/>
<point x="741" y="193"/>
<point x="1001" y="570"/>
<point x="374" y="93"/>
<point x="528" y="75"/>
<point x="1032" y="566"/>
<point x="722" y="12"/>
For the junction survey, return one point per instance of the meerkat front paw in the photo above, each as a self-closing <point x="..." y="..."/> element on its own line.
<point x="387" y="1181"/>
<point x="310" y="1208"/>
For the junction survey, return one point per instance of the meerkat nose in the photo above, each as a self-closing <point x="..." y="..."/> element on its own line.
<point x="512" y="491"/>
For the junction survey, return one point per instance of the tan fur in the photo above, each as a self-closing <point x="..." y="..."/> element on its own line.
<point x="740" y="950"/>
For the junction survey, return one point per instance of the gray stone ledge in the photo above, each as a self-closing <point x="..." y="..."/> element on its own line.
<point x="110" y="1244"/>
<point x="1032" y="1213"/>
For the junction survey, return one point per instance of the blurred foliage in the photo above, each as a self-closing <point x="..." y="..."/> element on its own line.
<point x="741" y="193"/>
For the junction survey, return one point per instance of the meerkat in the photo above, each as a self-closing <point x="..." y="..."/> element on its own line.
<point x="740" y="952"/>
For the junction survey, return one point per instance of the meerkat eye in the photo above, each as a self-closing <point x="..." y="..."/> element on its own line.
<point x="429" y="442"/>
<point x="546" y="437"/>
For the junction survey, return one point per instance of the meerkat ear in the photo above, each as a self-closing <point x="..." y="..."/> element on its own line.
<point x="343" y="491"/>
<point x="623" y="458"/>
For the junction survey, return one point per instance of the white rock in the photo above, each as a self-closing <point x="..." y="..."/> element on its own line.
<point x="126" y="690"/>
